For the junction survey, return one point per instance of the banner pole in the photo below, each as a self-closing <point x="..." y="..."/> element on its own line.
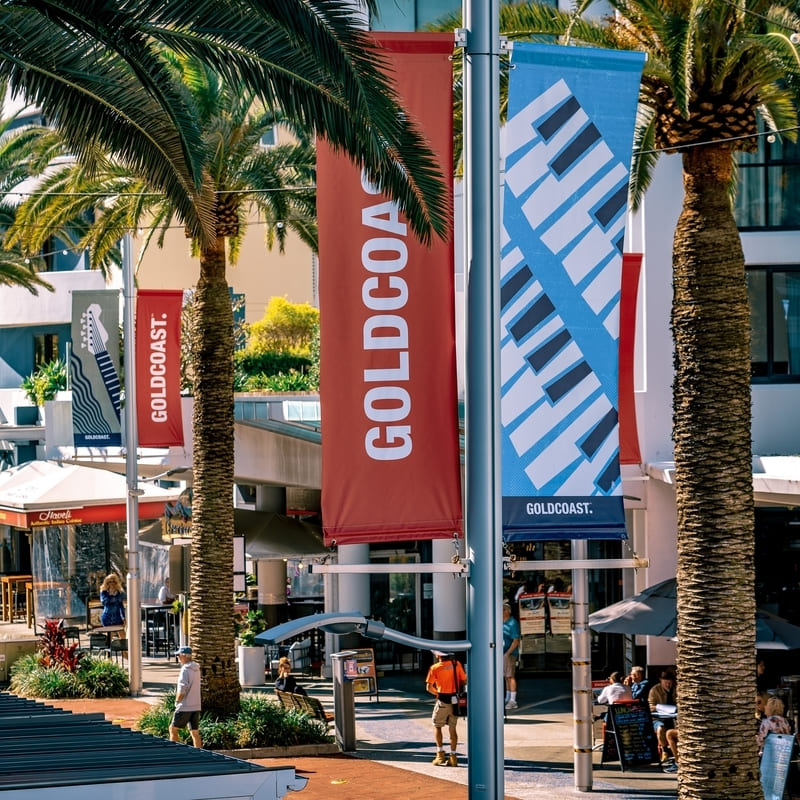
<point x="482" y="402"/>
<point x="581" y="672"/>
<point x="134" y="619"/>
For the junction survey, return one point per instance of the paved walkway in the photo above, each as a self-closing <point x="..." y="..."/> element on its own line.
<point x="395" y="743"/>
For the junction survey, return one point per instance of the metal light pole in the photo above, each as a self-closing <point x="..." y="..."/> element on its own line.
<point x="132" y="501"/>
<point x="482" y="514"/>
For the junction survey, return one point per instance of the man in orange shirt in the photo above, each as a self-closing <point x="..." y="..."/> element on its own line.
<point x="446" y="679"/>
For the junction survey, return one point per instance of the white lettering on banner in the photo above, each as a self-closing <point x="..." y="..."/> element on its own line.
<point x="386" y="335"/>
<point x="158" y="368"/>
<point x="558" y="508"/>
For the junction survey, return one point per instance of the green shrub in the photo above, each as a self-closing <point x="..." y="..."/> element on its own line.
<point x="156" y="719"/>
<point x="100" y="677"/>
<point x="29" y="678"/>
<point x="293" y="381"/>
<point x="261" y="722"/>
<point x="218" y="734"/>
<point x="95" y="677"/>
<point x="270" y="363"/>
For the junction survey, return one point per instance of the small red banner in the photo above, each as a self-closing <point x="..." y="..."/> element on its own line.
<point x="158" y="368"/>
<point x="629" y="452"/>
<point x="390" y="460"/>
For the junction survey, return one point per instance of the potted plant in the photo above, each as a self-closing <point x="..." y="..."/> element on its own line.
<point x="45" y="383"/>
<point x="250" y="654"/>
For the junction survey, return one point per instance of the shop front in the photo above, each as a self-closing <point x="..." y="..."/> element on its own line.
<point x="64" y="528"/>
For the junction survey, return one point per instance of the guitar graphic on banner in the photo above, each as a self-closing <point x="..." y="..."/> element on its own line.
<point x="94" y="337"/>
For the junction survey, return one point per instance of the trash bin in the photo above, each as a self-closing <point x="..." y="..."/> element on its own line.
<point x="344" y="708"/>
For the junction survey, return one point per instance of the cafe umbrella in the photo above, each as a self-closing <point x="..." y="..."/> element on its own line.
<point x="653" y="612"/>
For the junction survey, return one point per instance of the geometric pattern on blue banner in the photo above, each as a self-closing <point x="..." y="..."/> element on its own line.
<point x="567" y="149"/>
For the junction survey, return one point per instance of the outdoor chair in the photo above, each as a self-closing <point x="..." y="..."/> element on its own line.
<point x="72" y="635"/>
<point x="300" y="656"/>
<point x="98" y="643"/>
<point x="119" y="649"/>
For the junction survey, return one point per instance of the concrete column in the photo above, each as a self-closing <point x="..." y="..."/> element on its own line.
<point x="271" y="579"/>
<point x="449" y="594"/>
<point x="353" y="589"/>
<point x="271" y="574"/>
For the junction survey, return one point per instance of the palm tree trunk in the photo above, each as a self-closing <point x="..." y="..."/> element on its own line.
<point x="212" y="505"/>
<point x="714" y="488"/>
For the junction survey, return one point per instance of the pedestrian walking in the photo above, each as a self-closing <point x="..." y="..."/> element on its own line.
<point x="511" y="640"/>
<point x="446" y="679"/>
<point x="187" y="698"/>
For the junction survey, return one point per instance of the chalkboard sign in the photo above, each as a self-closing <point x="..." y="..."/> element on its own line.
<point x="775" y="763"/>
<point x="631" y="727"/>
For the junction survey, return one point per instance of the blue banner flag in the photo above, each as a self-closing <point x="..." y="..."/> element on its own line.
<point x="94" y="369"/>
<point x="567" y="156"/>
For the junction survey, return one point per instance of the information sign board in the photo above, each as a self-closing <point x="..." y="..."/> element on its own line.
<point x="361" y="671"/>
<point x="632" y="734"/>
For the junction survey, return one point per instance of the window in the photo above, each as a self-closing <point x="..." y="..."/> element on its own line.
<point x="270" y="137"/>
<point x="45" y="348"/>
<point x="774" y="294"/>
<point x="768" y="195"/>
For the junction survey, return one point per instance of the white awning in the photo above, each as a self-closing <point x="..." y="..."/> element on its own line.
<point x="776" y="479"/>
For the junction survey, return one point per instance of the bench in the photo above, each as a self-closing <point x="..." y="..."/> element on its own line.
<point x="308" y="705"/>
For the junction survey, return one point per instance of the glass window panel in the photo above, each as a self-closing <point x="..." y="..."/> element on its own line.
<point x="786" y="322"/>
<point x="750" y="207"/>
<point x="780" y="345"/>
<point x="784" y="199"/>
<point x="757" y="292"/>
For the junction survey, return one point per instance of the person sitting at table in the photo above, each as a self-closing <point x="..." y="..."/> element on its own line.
<point x="113" y="599"/>
<point x="165" y="596"/>
<point x="638" y="683"/>
<point x="663" y="694"/>
<point x="286" y="681"/>
<point x="672" y="741"/>
<point x="761" y="704"/>
<point x="774" y="722"/>
<point x="615" y="691"/>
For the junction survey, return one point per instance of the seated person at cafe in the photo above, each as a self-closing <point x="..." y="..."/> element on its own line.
<point x="672" y="741"/>
<point x="761" y="705"/>
<point x="615" y="691"/>
<point x="165" y="596"/>
<point x="774" y="722"/>
<point x="663" y="694"/>
<point x="286" y="681"/>
<point x="638" y="683"/>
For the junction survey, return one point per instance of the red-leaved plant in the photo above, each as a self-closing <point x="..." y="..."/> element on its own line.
<point x="54" y="652"/>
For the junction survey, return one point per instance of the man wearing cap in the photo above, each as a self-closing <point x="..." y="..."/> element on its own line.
<point x="446" y="679"/>
<point x="187" y="698"/>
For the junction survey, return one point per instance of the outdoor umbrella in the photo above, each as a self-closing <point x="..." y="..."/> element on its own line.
<point x="653" y="612"/>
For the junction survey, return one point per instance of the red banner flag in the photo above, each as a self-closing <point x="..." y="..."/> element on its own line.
<point x="390" y="455"/>
<point x="158" y="368"/>
<point x="629" y="452"/>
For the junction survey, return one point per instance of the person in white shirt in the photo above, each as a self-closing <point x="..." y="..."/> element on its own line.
<point x="165" y="596"/>
<point x="615" y="691"/>
<point x="187" y="698"/>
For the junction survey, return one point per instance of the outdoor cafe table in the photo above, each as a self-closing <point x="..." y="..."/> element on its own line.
<point x="158" y="617"/>
<point x="10" y="586"/>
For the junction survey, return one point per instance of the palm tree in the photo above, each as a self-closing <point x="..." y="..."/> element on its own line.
<point x="279" y="182"/>
<point x="713" y="68"/>
<point x="99" y="72"/>
<point x="18" y="148"/>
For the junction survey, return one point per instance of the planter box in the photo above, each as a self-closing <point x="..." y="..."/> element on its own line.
<point x="251" y="665"/>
